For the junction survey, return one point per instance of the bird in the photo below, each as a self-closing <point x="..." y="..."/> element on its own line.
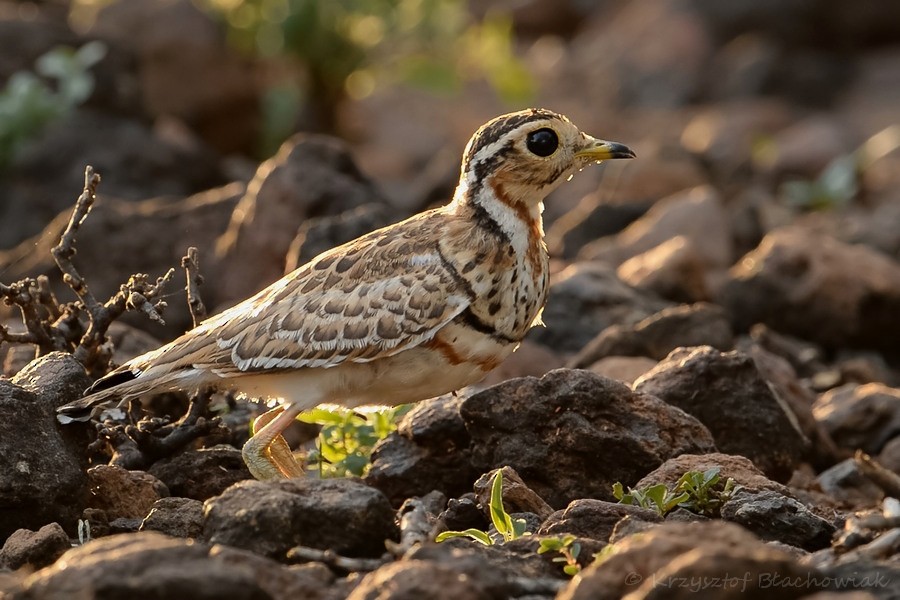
<point x="409" y="312"/>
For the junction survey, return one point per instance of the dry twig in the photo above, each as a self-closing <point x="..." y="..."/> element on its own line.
<point x="190" y="262"/>
<point x="336" y="561"/>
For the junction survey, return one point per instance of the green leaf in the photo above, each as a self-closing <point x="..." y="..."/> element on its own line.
<point x="499" y="517"/>
<point x="572" y="570"/>
<point x="475" y="534"/>
<point x="618" y="491"/>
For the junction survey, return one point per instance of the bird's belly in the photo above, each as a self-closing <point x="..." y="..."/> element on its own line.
<point x="452" y="360"/>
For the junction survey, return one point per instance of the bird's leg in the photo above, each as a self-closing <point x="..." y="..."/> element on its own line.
<point x="266" y="453"/>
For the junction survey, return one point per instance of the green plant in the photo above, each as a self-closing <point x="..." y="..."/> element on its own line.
<point x="508" y="527"/>
<point x="29" y="102"/>
<point x="836" y="186"/>
<point x="655" y="497"/>
<point x="569" y="550"/>
<point x="347" y="48"/>
<point x="705" y="495"/>
<point x="696" y="491"/>
<point x="347" y="437"/>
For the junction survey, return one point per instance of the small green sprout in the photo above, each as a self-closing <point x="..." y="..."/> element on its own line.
<point x="568" y="548"/>
<point x="508" y="527"/>
<point x="696" y="491"/>
<point x="348" y="437"/>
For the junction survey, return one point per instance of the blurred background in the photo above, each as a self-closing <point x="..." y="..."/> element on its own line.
<point x="762" y="113"/>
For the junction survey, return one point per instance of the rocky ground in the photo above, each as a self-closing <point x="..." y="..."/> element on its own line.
<point x="728" y="303"/>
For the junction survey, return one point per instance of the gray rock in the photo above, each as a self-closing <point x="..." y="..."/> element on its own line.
<point x="846" y="484"/>
<point x="558" y="431"/>
<point x="726" y="393"/>
<point x="35" y="549"/>
<point x="775" y="517"/>
<point x="656" y="336"/>
<point x="270" y="518"/>
<point x="203" y="473"/>
<point x="428" y="451"/>
<point x="739" y="468"/>
<point x="42" y="476"/>
<point x="176" y="517"/>
<point x="410" y="579"/>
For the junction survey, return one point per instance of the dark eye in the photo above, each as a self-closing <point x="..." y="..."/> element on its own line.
<point x="542" y="142"/>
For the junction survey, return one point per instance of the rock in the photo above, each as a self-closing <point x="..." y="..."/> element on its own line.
<point x="529" y="359"/>
<point x="310" y="176"/>
<point x="517" y="496"/>
<point x="120" y="238"/>
<point x="726" y="392"/>
<point x="428" y="451"/>
<point x="775" y="517"/>
<point x="806" y="147"/>
<point x="590" y="219"/>
<point x="594" y="519"/>
<point x="863" y="417"/>
<point x="659" y="334"/>
<point x="698" y="215"/>
<point x="186" y="68"/>
<point x="622" y="368"/>
<point x="890" y="455"/>
<point x="783" y="379"/>
<point x="662" y="561"/>
<point x="149" y="564"/>
<point x="34" y="549"/>
<point x="585" y="299"/>
<point x="124" y="494"/>
<point x="739" y="468"/>
<point x="270" y="518"/>
<point x="554" y="431"/>
<point x="846" y="484"/>
<point x="409" y="579"/>
<point x="817" y="288"/>
<point x="319" y="234"/>
<point x="203" y="473"/>
<point x="673" y="270"/>
<point x="135" y="164"/>
<point x="176" y="517"/>
<point x="42" y="477"/>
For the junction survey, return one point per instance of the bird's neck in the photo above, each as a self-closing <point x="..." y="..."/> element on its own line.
<point x="518" y="218"/>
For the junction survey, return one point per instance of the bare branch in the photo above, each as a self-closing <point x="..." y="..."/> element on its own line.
<point x="330" y="558"/>
<point x="65" y="250"/>
<point x="191" y="265"/>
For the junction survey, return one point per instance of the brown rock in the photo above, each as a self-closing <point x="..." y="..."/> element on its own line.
<point x="622" y="368"/>
<point x="738" y="468"/>
<point x="556" y="430"/>
<point x="817" y="288"/>
<point x="697" y="214"/>
<point x="309" y="176"/>
<point x="34" y="549"/>
<point x="594" y="519"/>
<point x="124" y="494"/>
<point x="659" y="334"/>
<point x="413" y="579"/>
<point x="270" y="518"/>
<point x="529" y="359"/>
<point x="726" y="392"/>
<point x="651" y="564"/>
<point x="673" y="269"/>
<point x="203" y="473"/>
<point x="135" y="565"/>
<point x="863" y="417"/>
<point x="517" y="496"/>
<point x="585" y="299"/>
<point x="176" y="517"/>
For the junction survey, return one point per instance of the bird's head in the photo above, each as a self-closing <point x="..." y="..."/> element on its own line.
<point x="526" y="154"/>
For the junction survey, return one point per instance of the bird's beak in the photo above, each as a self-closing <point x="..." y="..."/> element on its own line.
<point x="597" y="150"/>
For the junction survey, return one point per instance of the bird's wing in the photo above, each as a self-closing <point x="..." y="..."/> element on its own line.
<point x="366" y="300"/>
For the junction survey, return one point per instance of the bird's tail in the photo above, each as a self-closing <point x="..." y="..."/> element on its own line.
<point x="113" y="388"/>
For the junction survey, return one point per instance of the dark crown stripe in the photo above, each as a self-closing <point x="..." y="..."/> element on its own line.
<point x="494" y="130"/>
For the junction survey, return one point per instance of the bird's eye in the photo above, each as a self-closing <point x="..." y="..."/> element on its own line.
<point x="542" y="142"/>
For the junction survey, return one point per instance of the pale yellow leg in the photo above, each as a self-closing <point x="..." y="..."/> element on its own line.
<point x="266" y="453"/>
